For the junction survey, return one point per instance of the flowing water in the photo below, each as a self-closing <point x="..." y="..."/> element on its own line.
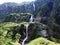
<point x="31" y="20"/>
<point x="43" y="32"/>
<point x="34" y="6"/>
<point x="23" y="43"/>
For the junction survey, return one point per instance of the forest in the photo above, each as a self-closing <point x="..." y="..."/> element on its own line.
<point x="30" y="23"/>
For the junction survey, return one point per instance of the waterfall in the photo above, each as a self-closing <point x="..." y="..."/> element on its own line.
<point x="23" y="43"/>
<point x="31" y="19"/>
<point x="34" y="6"/>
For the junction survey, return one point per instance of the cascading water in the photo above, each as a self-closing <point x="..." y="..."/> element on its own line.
<point x="23" y="43"/>
<point x="34" y="6"/>
<point x="31" y="20"/>
<point x="43" y="32"/>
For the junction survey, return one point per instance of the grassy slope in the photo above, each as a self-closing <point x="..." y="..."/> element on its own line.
<point x="42" y="41"/>
<point x="3" y="28"/>
<point x="38" y="41"/>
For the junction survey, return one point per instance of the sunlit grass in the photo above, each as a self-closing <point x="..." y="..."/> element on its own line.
<point x="3" y="32"/>
<point x="38" y="41"/>
<point x="42" y="41"/>
<point x="9" y="24"/>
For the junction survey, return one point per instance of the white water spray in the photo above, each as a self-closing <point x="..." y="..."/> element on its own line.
<point x="23" y="43"/>
<point x="34" y="6"/>
<point x="31" y="20"/>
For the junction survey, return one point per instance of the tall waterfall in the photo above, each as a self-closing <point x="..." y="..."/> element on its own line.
<point x="31" y="20"/>
<point x="34" y="6"/>
<point x="23" y="43"/>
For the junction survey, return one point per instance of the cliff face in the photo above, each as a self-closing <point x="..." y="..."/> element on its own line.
<point x="43" y="9"/>
<point x="7" y="8"/>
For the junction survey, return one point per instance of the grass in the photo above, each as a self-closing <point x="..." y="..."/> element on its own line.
<point x="38" y="41"/>
<point x="8" y="24"/>
<point x="42" y="41"/>
<point x="3" y="29"/>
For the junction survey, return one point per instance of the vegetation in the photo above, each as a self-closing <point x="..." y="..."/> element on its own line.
<point x="6" y="32"/>
<point x="42" y="41"/>
<point x="14" y="18"/>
